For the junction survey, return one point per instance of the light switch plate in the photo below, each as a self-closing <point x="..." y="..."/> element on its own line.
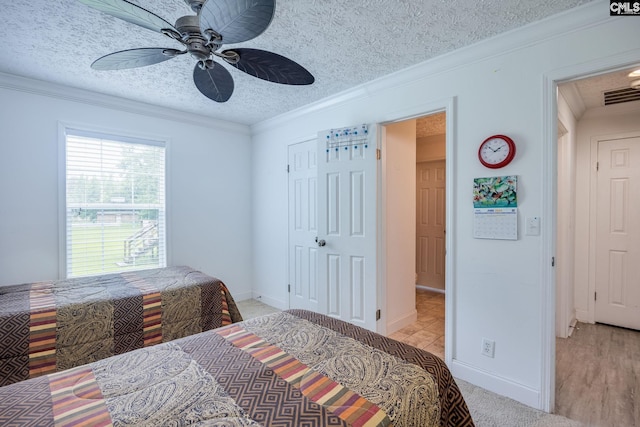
<point x="532" y="224"/>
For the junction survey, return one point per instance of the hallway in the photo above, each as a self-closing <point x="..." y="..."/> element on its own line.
<point x="597" y="375"/>
<point x="428" y="331"/>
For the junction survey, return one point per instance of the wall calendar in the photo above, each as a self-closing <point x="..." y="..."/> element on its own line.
<point x="495" y="208"/>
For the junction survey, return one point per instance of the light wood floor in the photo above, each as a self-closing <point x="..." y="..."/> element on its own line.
<point x="598" y="376"/>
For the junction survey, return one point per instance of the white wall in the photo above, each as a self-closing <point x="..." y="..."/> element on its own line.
<point x="496" y="87"/>
<point x="431" y="148"/>
<point x="565" y="245"/>
<point x="208" y="187"/>
<point x="399" y="170"/>
<point x="609" y="121"/>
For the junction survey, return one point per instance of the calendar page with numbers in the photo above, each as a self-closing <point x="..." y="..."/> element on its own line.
<point x="495" y="206"/>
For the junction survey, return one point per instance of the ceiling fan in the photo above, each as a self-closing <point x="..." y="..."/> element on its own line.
<point x="216" y="22"/>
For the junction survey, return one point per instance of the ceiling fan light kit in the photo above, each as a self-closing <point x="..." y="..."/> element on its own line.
<point x="216" y="22"/>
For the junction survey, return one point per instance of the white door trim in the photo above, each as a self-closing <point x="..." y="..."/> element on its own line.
<point x="381" y="229"/>
<point x="448" y="106"/>
<point x="549" y="206"/>
<point x="565" y="311"/>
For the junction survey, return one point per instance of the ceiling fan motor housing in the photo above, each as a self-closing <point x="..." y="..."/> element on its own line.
<point x="197" y="45"/>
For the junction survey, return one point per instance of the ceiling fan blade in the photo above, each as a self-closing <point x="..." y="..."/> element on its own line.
<point x="236" y="20"/>
<point x="134" y="58"/>
<point x="215" y="83"/>
<point x="131" y="13"/>
<point x="271" y="67"/>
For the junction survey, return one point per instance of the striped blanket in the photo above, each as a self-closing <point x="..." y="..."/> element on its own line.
<point x="292" y="368"/>
<point x="51" y="326"/>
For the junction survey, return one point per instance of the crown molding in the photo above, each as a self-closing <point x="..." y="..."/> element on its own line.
<point x="520" y="38"/>
<point x="570" y="93"/>
<point x="67" y="93"/>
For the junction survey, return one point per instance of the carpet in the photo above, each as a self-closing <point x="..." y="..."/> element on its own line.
<point x="492" y="410"/>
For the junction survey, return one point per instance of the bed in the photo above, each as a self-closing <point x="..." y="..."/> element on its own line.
<point x="51" y="326"/>
<point x="292" y="368"/>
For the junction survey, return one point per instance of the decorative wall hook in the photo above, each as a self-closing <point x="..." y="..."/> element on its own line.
<point x="354" y="137"/>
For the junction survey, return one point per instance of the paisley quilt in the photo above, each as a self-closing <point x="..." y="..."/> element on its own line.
<point x="51" y="326"/>
<point x="294" y="368"/>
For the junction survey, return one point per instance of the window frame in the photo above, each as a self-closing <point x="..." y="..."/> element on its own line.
<point x="65" y="128"/>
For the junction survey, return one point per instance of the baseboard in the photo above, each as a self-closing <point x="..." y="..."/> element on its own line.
<point x="498" y="385"/>
<point x="241" y="296"/>
<point x="427" y="288"/>
<point x="583" y="316"/>
<point x="279" y="304"/>
<point x="572" y="326"/>
<point x="407" y="320"/>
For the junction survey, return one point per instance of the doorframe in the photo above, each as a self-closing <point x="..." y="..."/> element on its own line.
<point x="448" y="106"/>
<point x="549" y="170"/>
<point x="565" y="263"/>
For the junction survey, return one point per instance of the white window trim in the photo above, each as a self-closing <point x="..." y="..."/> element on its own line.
<point x="122" y="135"/>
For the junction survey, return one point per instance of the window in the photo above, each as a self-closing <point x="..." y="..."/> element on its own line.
<point x="114" y="204"/>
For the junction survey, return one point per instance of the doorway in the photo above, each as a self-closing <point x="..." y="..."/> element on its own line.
<point x="426" y="243"/>
<point x="431" y="201"/>
<point x="594" y="273"/>
<point x="601" y="183"/>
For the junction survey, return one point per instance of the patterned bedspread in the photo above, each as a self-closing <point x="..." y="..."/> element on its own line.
<point x="293" y="368"/>
<point x="51" y="326"/>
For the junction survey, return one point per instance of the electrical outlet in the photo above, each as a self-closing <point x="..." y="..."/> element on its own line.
<point x="488" y="347"/>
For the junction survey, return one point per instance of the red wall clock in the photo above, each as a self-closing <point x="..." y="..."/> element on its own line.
<point x="497" y="151"/>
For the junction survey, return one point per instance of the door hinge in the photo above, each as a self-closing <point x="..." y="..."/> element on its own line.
<point x="289" y="288"/>
<point x="287" y="168"/>
<point x="595" y="296"/>
<point x="553" y="261"/>
<point x="378" y="154"/>
<point x="597" y="166"/>
<point x="378" y="314"/>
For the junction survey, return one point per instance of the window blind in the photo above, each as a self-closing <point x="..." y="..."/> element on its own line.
<point x="115" y="204"/>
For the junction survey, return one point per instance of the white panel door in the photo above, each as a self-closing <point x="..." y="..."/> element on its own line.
<point x="303" y="226"/>
<point x="430" y="223"/>
<point x="347" y="229"/>
<point x="618" y="233"/>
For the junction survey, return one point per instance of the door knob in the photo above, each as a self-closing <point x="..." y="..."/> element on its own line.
<point x="321" y="242"/>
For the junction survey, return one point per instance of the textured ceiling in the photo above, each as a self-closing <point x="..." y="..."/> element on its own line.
<point x="434" y="124"/>
<point x="592" y="89"/>
<point x="343" y="43"/>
